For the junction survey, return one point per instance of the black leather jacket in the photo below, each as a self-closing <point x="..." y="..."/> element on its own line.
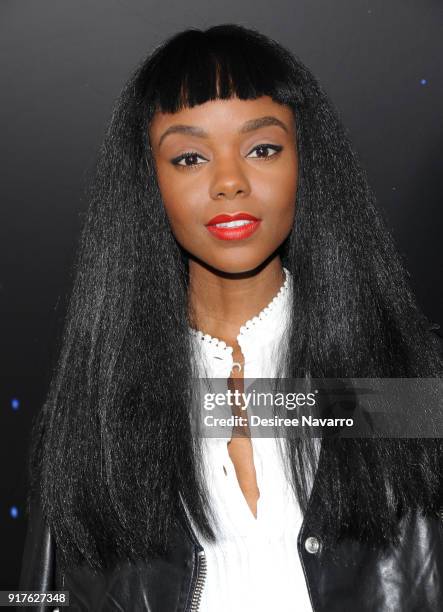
<point x="352" y="577"/>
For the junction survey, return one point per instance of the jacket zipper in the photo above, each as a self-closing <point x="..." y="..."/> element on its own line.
<point x="200" y="565"/>
<point x="200" y="581"/>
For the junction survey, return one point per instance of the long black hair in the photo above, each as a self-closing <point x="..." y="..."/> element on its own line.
<point x="113" y="452"/>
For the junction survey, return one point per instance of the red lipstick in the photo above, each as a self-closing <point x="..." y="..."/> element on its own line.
<point x="232" y="227"/>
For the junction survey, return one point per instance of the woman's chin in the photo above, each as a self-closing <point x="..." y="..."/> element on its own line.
<point x="236" y="264"/>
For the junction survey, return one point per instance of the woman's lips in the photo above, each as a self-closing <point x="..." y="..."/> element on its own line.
<point x="233" y="227"/>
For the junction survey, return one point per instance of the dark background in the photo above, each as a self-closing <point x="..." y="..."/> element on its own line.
<point x="64" y="63"/>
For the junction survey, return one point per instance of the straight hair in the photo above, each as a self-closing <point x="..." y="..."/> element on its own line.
<point x="113" y="453"/>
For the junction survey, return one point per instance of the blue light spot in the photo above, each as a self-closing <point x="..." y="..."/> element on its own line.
<point x="13" y="512"/>
<point x="423" y="82"/>
<point x="15" y="403"/>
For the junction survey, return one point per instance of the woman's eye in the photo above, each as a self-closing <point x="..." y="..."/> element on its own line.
<point x="262" y="150"/>
<point x="188" y="159"/>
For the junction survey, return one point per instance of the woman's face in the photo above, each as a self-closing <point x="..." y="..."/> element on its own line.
<point x="228" y="157"/>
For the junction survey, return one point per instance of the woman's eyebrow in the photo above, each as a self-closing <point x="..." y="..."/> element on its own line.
<point x="255" y="124"/>
<point x="248" y="126"/>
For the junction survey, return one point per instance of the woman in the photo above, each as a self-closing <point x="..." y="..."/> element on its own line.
<point x="128" y="509"/>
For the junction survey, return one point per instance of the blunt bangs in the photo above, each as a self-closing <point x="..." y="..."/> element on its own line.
<point x="194" y="67"/>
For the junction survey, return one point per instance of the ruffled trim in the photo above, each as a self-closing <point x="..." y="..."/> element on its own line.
<point x="214" y="342"/>
<point x="264" y="314"/>
<point x="220" y="346"/>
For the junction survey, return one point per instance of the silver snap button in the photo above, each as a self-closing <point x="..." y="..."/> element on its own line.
<point x="312" y="545"/>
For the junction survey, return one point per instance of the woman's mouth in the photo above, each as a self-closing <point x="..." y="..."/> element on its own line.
<point x="233" y="227"/>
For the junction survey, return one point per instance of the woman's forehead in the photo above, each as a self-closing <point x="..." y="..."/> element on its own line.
<point x="224" y="114"/>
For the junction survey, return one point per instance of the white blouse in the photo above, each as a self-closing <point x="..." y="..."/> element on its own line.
<point x="254" y="565"/>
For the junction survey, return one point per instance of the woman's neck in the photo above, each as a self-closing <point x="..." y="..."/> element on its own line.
<point x="221" y="303"/>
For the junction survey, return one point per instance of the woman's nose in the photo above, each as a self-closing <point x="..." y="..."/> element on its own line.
<point x="229" y="181"/>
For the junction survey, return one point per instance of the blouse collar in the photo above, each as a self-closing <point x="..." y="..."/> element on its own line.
<point x="261" y="332"/>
